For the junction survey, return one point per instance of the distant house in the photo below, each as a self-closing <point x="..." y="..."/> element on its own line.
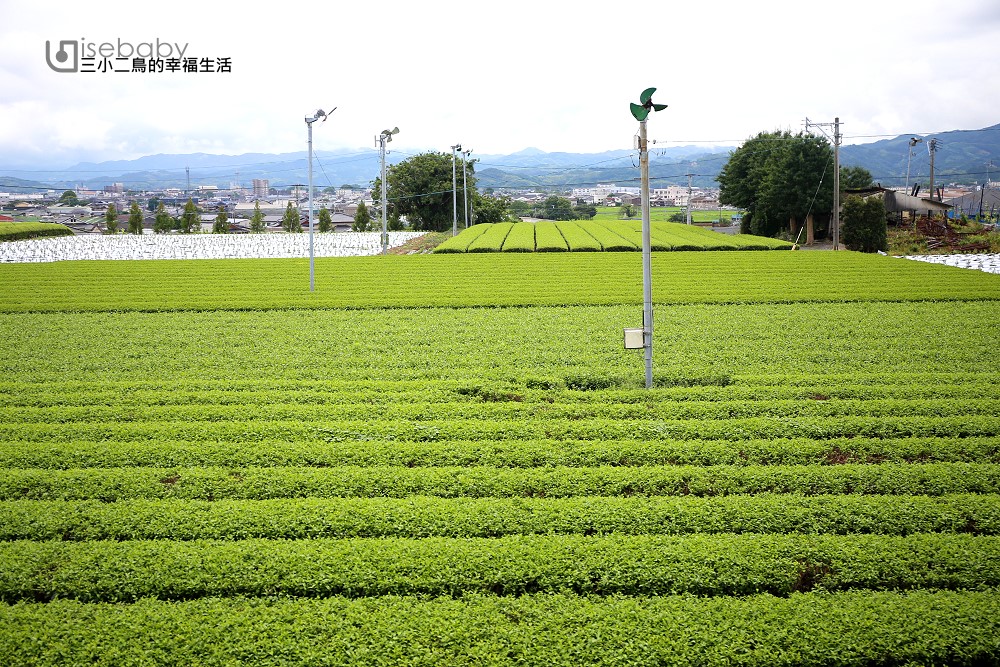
<point x="341" y="222"/>
<point x="6" y="218"/>
<point x="984" y="202"/>
<point x="900" y="202"/>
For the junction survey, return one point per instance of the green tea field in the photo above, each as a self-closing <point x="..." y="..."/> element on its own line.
<point x="450" y="459"/>
<point x="596" y="236"/>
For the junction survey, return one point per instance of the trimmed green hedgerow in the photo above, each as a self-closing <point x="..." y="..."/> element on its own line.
<point x="548" y="238"/>
<point x="19" y="231"/>
<point x="423" y="516"/>
<point x="520" y="239"/>
<point x="706" y="565"/>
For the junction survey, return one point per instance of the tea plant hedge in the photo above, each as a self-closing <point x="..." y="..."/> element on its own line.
<point x="451" y="459"/>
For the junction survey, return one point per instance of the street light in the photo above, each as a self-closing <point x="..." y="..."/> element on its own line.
<point x="909" y="153"/>
<point x="312" y="255"/>
<point x="640" y="112"/>
<point x="465" y="187"/>
<point x="454" y="192"/>
<point x="384" y="138"/>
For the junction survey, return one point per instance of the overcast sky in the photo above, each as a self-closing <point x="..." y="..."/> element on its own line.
<point x="495" y="76"/>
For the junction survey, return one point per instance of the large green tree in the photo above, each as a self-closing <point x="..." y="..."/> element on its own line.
<point x="111" y="219"/>
<point x="556" y="208"/>
<point x="420" y="188"/>
<point x="491" y="209"/>
<point x="163" y="222"/>
<point x="362" y="219"/>
<point x="855" y="178"/>
<point x="257" y="219"/>
<point x="864" y="224"/>
<point x="291" y="222"/>
<point x="135" y="219"/>
<point x="778" y="178"/>
<point x="221" y="224"/>
<point x="325" y="220"/>
<point x="190" y="218"/>
<point x="69" y="198"/>
<point x="585" y="211"/>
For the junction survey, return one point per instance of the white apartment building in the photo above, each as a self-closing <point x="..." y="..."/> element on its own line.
<point x="261" y="188"/>
<point x="675" y="193"/>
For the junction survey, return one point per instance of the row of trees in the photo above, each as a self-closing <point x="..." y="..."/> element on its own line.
<point x="555" y="208"/>
<point x="187" y="222"/>
<point x="779" y="179"/>
<point x="190" y="220"/>
<point x="420" y="188"/>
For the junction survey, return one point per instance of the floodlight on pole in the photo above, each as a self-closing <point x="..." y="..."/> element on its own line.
<point x="909" y="153"/>
<point x="454" y="192"/>
<point x="640" y="112"/>
<point x="384" y="138"/>
<point x="312" y="254"/>
<point x="465" y="187"/>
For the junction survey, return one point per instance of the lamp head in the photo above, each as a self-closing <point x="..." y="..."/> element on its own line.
<point x="320" y="114"/>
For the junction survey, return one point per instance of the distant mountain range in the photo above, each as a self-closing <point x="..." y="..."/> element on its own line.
<point x="963" y="156"/>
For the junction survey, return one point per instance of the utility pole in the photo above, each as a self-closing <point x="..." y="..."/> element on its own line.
<point x="454" y="192"/>
<point x="465" y="187"/>
<point x="383" y="139"/>
<point x="837" y="139"/>
<point x="932" y="147"/>
<point x="836" y="183"/>
<point x="690" y="176"/>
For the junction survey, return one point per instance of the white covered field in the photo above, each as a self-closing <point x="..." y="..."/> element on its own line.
<point x="198" y="246"/>
<point x="990" y="263"/>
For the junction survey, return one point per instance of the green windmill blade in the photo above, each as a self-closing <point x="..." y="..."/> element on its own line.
<point x="641" y="111"/>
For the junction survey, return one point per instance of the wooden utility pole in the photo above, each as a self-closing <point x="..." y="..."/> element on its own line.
<point x="932" y="147"/>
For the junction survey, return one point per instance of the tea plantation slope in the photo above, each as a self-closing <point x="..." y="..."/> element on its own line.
<point x="283" y="478"/>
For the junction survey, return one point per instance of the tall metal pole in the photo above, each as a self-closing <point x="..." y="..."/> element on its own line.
<point x="465" y="188"/>
<point x="385" y="228"/>
<point x="312" y="267"/>
<point x="913" y="142"/>
<point x="454" y="192"/>
<point x="689" y="198"/>
<point x="836" y="183"/>
<point x="647" y="266"/>
<point x="932" y="149"/>
<point x="309" y="124"/>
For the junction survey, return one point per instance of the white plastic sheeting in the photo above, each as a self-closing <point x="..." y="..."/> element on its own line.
<point x="990" y="263"/>
<point x="197" y="246"/>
